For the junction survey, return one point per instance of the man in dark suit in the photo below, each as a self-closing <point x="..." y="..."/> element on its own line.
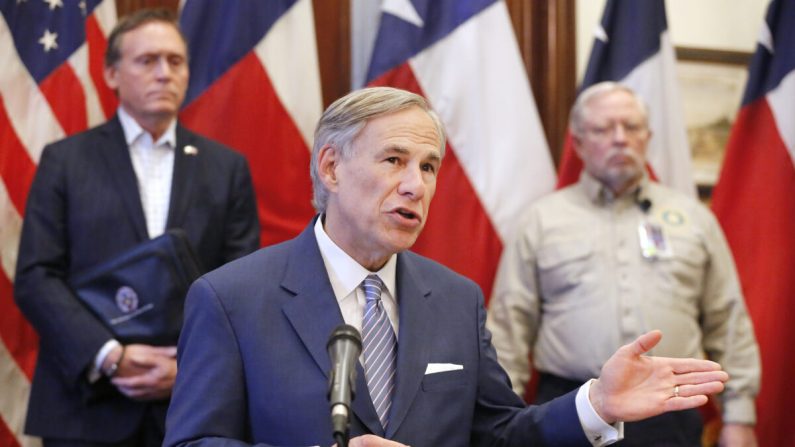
<point x="98" y="194"/>
<point x="253" y="366"/>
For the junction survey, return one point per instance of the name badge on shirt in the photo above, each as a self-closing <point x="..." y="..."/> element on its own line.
<point x="653" y="243"/>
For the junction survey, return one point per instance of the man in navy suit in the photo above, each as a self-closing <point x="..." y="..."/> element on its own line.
<point x="98" y="194"/>
<point x="253" y="366"/>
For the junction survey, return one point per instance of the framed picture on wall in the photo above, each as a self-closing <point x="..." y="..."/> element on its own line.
<point x="712" y="83"/>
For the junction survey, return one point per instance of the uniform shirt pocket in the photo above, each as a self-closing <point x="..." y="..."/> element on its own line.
<point x="562" y="266"/>
<point x="682" y="275"/>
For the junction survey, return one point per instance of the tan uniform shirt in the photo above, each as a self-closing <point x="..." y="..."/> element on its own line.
<point x="574" y="286"/>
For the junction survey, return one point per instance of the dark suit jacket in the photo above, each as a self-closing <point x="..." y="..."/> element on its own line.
<point x="253" y="365"/>
<point x="83" y="208"/>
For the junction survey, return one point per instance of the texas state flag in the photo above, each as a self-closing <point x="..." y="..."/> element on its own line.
<point x="754" y="201"/>
<point x="632" y="46"/>
<point x="462" y="55"/>
<point x="255" y="86"/>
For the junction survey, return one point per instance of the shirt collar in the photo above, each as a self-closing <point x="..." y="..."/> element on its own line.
<point x="344" y="272"/>
<point x="598" y="193"/>
<point x="133" y="131"/>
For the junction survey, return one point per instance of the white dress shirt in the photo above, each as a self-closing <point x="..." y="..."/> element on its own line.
<point x="153" y="162"/>
<point x="346" y="276"/>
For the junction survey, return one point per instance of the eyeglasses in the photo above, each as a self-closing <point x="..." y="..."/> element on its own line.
<point x="608" y="132"/>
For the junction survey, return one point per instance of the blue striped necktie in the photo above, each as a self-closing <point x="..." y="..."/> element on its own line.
<point x="379" y="349"/>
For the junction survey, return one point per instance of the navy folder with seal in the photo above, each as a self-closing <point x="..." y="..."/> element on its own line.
<point x="139" y="294"/>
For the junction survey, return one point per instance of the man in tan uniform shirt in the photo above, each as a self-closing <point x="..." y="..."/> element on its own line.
<point x="615" y="255"/>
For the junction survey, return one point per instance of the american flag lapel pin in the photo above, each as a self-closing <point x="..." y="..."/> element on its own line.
<point x="190" y="150"/>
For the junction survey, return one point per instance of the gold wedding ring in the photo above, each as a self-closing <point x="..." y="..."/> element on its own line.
<point x="676" y="391"/>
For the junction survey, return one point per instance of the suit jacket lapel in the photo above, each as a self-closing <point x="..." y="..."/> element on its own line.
<point x="415" y="327"/>
<point x="314" y="314"/>
<point x="185" y="167"/>
<point x="116" y="154"/>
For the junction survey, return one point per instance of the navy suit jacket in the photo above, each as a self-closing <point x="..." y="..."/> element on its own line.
<point x="253" y="366"/>
<point x="83" y="208"/>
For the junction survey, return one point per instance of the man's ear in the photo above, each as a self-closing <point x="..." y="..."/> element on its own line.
<point x="328" y="160"/>
<point x="576" y="142"/>
<point x="649" y="134"/>
<point x="110" y="73"/>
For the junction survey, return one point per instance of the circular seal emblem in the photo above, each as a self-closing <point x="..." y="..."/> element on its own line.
<point x="126" y="299"/>
<point x="674" y="218"/>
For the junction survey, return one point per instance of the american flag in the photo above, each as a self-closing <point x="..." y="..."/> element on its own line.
<point x="51" y="86"/>
<point x="462" y="55"/>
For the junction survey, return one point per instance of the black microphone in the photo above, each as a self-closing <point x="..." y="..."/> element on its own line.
<point x="644" y="205"/>
<point x="344" y="347"/>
